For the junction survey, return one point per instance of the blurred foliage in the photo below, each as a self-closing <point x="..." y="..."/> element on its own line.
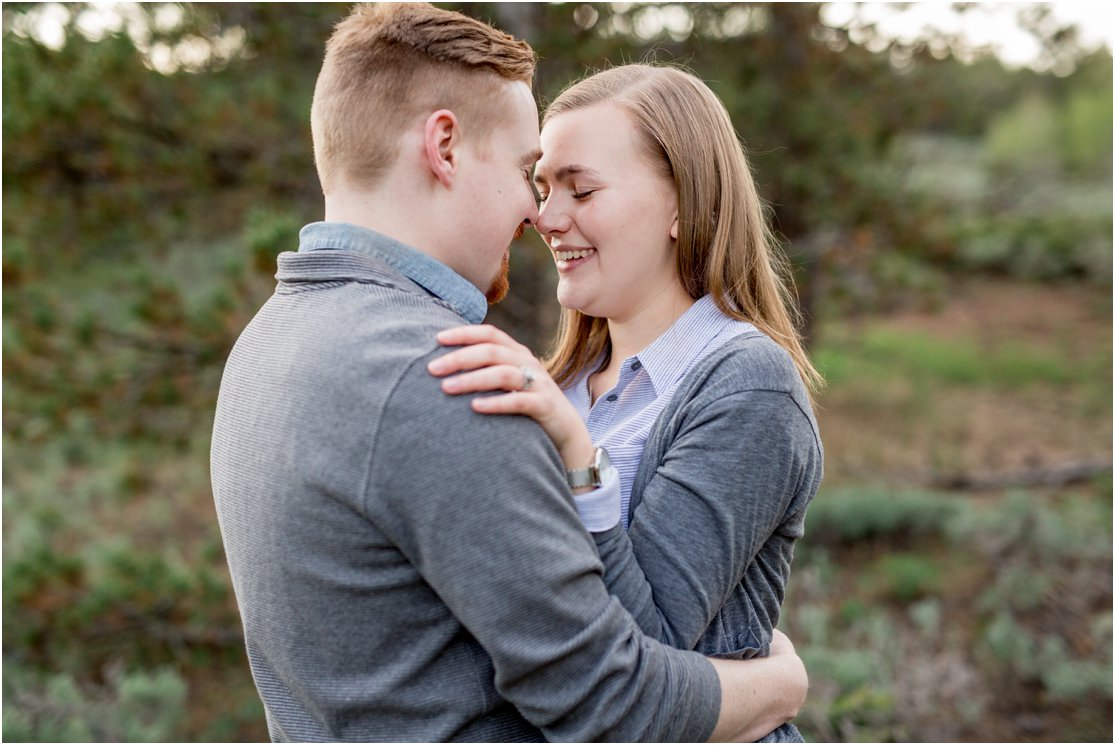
<point x="139" y="707"/>
<point x="153" y="172"/>
<point x="106" y="155"/>
<point x="852" y="515"/>
<point x="883" y="353"/>
<point x="1036" y="638"/>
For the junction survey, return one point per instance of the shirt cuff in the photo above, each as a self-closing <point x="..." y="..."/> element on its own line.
<point x="599" y="508"/>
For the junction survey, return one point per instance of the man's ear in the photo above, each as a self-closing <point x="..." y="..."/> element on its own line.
<point x="441" y="137"/>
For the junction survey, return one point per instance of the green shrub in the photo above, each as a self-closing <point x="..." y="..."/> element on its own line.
<point x="1076" y="528"/>
<point x="927" y="615"/>
<point x="904" y="577"/>
<point x="1066" y="678"/>
<point x="268" y="233"/>
<point x="139" y="706"/>
<point x="848" y="515"/>
<point x="866" y="705"/>
<point x="1027" y="135"/>
<point x="857" y="701"/>
<point x="1010" y="643"/>
<point x="1038" y="245"/>
<point x="850" y="669"/>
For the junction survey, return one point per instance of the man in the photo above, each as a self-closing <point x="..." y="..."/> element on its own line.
<point x="407" y="569"/>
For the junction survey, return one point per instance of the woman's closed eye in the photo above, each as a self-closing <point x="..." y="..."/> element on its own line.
<point x="542" y="196"/>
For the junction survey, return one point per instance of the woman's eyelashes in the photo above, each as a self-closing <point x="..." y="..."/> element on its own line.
<point x="577" y="195"/>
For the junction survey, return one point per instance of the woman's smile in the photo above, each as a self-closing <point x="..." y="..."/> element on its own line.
<point x="570" y="258"/>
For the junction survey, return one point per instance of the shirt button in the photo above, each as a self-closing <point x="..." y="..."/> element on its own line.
<point x="612" y="397"/>
<point x="636" y="365"/>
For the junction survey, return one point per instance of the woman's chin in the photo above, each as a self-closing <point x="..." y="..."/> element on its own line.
<point x="567" y="299"/>
<point x="585" y="308"/>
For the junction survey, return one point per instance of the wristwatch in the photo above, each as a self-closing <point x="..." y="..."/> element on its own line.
<point x="593" y="475"/>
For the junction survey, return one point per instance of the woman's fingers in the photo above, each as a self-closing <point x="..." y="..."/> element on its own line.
<point x="494" y="378"/>
<point x="541" y="400"/>
<point x="489" y="360"/>
<point x="478" y="334"/>
<point x="549" y="407"/>
<point x="509" y="403"/>
<point x="476" y="356"/>
<point x="500" y="378"/>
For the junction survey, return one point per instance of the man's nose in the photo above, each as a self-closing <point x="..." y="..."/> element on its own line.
<point x="532" y="216"/>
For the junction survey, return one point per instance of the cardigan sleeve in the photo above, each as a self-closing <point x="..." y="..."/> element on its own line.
<point x="738" y="470"/>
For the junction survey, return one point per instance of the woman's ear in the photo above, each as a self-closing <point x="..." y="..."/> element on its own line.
<point x="674" y="228"/>
<point x="441" y="136"/>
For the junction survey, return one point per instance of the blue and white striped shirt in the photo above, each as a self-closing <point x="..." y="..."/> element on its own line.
<point x="622" y="418"/>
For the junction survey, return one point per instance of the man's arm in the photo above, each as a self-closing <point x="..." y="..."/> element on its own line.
<point x="757" y="696"/>
<point x="480" y="507"/>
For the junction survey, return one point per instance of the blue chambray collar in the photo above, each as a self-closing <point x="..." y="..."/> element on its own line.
<point x="424" y="270"/>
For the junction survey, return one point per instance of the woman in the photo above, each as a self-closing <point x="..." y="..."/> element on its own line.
<point x="677" y="353"/>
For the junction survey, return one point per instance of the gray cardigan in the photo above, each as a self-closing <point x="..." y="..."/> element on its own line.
<point x="407" y="569"/>
<point x="717" y="503"/>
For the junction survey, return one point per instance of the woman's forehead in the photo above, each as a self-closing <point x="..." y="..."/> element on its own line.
<point x="583" y="140"/>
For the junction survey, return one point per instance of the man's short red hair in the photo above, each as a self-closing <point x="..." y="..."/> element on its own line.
<point x="387" y="65"/>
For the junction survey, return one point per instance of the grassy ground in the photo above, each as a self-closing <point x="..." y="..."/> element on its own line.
<point x="1005" y="377"/>
<point x="923" y="614"/>
<point x="927" y="614"/>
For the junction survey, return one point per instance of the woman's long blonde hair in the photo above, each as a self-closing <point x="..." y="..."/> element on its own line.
<point x="724" y="244"/>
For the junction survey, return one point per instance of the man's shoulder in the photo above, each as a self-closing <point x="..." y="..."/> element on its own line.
<point x="445" y="422"/>
<point x="370" y="320"/>
<point x="336" y="349"/>
<point x="394" y="310"/>
<point x="430" y="447"/>
<point x="347" y="280"/>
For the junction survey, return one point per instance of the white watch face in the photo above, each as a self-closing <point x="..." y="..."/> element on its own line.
<point x="602" y="461"/>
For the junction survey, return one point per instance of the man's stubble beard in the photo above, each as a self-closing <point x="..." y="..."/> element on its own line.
<point x="501" y="283"/>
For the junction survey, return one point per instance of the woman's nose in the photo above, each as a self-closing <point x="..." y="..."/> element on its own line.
<point x="550" y="219"/>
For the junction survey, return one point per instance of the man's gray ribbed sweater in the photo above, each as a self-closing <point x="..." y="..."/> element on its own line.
<point x="407" y="569"/>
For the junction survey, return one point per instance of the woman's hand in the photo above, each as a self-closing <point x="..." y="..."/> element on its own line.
<point x="490" y="360"/>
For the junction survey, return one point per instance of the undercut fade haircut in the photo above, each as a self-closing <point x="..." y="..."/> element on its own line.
<point x="387" y="65"/>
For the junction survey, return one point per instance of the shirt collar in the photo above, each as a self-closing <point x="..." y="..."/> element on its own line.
<point x="667" y="358"/>
<point x="426" y="271"/>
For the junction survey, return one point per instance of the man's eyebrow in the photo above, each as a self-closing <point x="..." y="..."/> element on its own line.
<point x="531" y="158"/>
<point x="563" y="173"/>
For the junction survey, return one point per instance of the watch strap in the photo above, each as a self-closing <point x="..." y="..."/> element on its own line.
<point x="581" y="477"/>
<point x="593" y="476"/>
